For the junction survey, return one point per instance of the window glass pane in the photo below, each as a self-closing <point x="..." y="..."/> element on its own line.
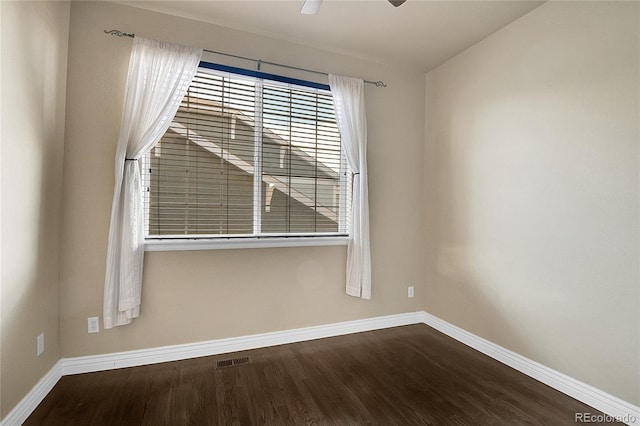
<point x="302" y="155"/>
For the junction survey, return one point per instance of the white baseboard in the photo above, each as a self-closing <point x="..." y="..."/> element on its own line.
<point x="87" y="364"/>
<point x="615" y="407"/>
<point x="20" y="412"/>
<point x="608" y="404"/>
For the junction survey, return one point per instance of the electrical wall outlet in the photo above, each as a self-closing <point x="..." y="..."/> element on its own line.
<point x="93" y="325"/>
<point x="40" y="343"/>
<point x="410" y="292"/>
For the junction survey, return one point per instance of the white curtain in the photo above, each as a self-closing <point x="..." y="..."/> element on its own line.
<point x="348" y="100"/>
<point x="159" y="75"/>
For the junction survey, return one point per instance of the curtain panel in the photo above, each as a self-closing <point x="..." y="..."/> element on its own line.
<point x="348" y="99"/>
<point x="159" y="75"/>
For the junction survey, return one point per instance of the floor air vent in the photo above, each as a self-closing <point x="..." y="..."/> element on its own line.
<point x="233" y="361"/>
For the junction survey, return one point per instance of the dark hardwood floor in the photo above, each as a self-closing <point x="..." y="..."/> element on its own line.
<point x="410" y="375"/>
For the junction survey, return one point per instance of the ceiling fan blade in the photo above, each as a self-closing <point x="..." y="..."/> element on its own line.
<point x="397" y="3"/>
<point x="310" y="7"/>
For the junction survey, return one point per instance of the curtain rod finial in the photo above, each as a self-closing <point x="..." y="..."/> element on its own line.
<point x="118" y="33"/>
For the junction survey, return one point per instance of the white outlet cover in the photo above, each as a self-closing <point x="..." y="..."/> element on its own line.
<point x="93" y="325"/>
<point x="40" y="341"/>
<point x="410" y="292"/>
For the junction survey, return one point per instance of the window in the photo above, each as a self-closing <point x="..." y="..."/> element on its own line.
<point x="248" y="157"/>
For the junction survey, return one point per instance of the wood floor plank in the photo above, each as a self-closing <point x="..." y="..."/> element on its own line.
<point x="411" y="375"/>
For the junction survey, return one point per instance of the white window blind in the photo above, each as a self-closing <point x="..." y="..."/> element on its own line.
<point x="248" y="157"/>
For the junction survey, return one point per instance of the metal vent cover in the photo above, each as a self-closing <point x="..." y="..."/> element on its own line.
<point x="231" y="362"/>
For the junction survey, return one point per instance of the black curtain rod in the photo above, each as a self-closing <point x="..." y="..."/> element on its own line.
<point x="258" y="61"/>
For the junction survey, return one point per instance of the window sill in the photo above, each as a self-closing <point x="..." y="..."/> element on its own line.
<point x="217" y="244"/>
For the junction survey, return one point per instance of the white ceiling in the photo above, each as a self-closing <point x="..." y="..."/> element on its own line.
<point x="423" y="33"/>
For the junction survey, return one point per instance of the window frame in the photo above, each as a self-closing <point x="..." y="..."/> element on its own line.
<point x="186" y="244"/>
<point x="260" y="240"/>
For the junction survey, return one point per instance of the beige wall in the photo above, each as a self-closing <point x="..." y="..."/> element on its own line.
<point x="34" y="61"/>
<point x="522" y="203"/>
<point x="201" y="295"/>
<point x="532" y="180"/>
